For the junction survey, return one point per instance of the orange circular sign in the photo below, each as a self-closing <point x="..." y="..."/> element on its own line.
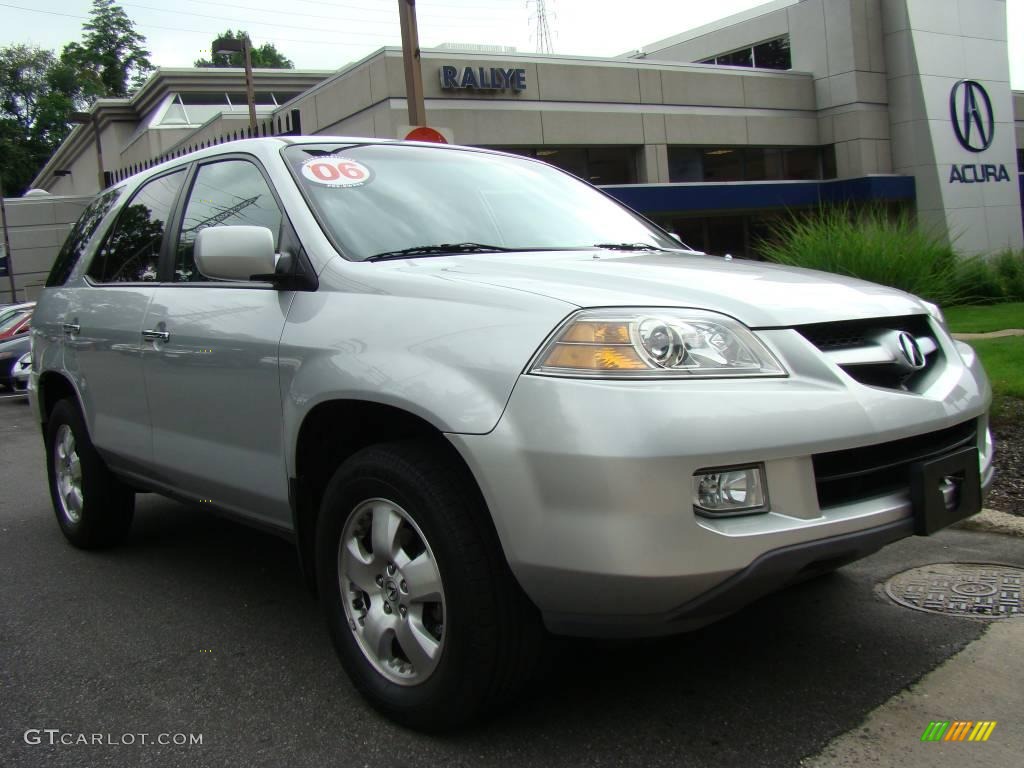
<point x="425" y="133"/>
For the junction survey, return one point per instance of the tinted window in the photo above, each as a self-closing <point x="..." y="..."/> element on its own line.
<point x="741" y="58"/>
<point x="773" y="54"/>
<point x="131" y="254"/>
<point x="227" y="193"/>
<point x="80" y="236"/>
<point x="723" y="165"/>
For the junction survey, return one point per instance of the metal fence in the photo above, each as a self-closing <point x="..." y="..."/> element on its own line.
<point x="289" y="124"/>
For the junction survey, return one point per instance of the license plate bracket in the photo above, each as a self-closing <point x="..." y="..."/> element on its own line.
<point x="928" y="480"/>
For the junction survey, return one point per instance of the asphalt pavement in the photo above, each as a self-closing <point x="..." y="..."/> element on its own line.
<point x="200" y="627"/>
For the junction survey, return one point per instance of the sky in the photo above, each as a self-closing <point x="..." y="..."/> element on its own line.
<point x="327" y="34"/>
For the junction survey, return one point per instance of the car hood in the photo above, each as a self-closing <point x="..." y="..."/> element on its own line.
<point x="756" y="293"/>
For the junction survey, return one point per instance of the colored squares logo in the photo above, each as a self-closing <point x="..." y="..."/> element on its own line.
<point x="958" y="730"/>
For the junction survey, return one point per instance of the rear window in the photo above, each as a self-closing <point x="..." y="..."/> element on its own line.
<point x="80" y="236"/>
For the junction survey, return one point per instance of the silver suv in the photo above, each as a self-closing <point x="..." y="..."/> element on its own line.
<point x="485" y="400"/>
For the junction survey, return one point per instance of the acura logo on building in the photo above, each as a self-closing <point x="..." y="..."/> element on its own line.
<point x="911" y="351"/>
<point x="970" y="109"/>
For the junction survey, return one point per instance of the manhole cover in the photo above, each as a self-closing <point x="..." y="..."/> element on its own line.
<point x="979" y="590"/>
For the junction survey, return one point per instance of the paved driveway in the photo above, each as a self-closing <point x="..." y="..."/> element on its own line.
<point x="199" y="626"/>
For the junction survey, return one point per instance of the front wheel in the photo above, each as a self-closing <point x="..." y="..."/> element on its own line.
<point x="94" y="509"/>
<point x="424" y="613"/>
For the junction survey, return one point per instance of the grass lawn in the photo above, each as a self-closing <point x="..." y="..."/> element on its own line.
<point x="982" y="319"/>
<point x="1004" y="362"/>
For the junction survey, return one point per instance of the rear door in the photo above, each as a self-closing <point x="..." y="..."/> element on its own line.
<point x="211" y="368"/>
<point x="102" y="323"/>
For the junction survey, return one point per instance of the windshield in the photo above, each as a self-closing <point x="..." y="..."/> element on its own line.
<point x="379" y="200"/>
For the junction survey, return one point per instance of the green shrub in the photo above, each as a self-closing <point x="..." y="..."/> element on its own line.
<point x="977" y="282"/>
<point x="1009" y="269"/>
<point x="876" y="245"/>
<point x="873" y="245"/>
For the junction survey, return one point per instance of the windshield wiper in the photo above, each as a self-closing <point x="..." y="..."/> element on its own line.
<point x="441" y="250"/>
<point x="628" y="247"/>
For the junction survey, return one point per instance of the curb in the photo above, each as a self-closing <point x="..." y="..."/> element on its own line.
<point x="993" y="521"/>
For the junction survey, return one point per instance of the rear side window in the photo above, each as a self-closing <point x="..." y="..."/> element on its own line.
<point x="131" y="252"/>
<point x="80" y="236"/>
<point x="224" y="194"/>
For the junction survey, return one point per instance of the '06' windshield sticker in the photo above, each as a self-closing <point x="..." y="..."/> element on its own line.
<point x="333" y="171"/>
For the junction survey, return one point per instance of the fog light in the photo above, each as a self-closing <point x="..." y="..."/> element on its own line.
<point x="730" y="491"/>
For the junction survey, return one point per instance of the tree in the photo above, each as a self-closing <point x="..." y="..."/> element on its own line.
<point x="111" y="60"/>
<point x="38" y="91"/>
<point x="266" y="56"/>
<point x="36" y="95"/>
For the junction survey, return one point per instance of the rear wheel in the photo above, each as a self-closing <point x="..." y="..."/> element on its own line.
<point x="424" y="613"/>
<point x="94" y="509"/>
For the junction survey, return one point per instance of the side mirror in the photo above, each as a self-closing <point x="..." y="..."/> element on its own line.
<point x="235" y="253"/>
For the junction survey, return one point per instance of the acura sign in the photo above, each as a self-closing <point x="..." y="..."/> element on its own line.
<point x="974" y="125"/>
<point x="970" y="109"/>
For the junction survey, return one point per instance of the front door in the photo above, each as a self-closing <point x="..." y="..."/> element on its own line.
<point x="211" y="365"/>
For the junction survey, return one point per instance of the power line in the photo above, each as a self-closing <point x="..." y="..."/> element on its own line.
<point x="380" y="37"/>
<point x="391" y="22"/>
<point x="205" y="33"/>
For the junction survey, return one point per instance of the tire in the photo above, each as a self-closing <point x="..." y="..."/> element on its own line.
<point x="488" y="635"/>
<point x="101" y="512"/>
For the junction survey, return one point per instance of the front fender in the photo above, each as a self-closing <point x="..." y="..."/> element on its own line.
<point x="450" y="358"/>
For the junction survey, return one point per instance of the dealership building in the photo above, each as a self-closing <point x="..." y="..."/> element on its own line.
<point x="714" y="132"/>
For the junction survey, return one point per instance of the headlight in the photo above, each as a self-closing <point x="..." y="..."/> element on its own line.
<point x="654" y="344"/>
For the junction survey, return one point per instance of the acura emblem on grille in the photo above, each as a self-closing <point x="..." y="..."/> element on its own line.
<point x="911" y="351"/>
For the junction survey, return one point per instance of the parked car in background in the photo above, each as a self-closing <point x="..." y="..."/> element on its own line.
<point x="20" y="373"/>
<point x="16" y="322"/>
<point x="484" y="399"/>
<point x="8" y="310"/>
<point x="11" y="351"/>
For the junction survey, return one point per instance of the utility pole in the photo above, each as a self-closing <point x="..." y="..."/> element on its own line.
<point x="7" y="246"/>
<point x="411" y="57"/>
<point x="229" y="45"/>
<point x="542" y="32"/>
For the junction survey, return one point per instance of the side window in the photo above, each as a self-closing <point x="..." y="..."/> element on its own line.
<point x="225" y="193"/>
<point x="131" y="253"/>
<point x="80" y="236"/>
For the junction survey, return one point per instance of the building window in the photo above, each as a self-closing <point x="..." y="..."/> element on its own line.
<point x="598" y="165"/>
<point x="771" y="54"/>
<point x="751" y="163"/>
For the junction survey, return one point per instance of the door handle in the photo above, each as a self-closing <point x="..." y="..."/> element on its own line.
<point x="71" y="329"/>
<point x="156" y="335"/>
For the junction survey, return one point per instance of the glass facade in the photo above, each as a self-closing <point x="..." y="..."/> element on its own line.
<point x="742" y="235"/>
<point x="598" y="165"/>
<point x="771" y="54"/>
<point x="751" y="163"/>
<point x="719" y="235"/>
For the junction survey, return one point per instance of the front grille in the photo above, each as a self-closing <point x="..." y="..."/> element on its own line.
<point x="846" y="476"/>
<point x="866" y="351"/>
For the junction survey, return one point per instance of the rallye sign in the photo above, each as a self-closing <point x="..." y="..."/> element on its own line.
<point x="482" y="78"/>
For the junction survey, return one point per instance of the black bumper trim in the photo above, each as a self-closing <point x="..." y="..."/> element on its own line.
<point x="768" y="573"/>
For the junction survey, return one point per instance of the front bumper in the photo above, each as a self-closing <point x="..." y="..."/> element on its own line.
<point x="589" y="484"/>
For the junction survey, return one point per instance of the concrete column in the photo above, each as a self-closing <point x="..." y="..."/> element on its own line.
<point x="966" y="186"/>
<point x="652" y="165"/>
